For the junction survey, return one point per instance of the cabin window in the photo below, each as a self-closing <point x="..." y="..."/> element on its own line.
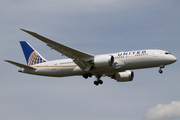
<point x="167" y="53"/>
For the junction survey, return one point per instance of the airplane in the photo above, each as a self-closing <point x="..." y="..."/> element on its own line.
<point x="118" y="65"/>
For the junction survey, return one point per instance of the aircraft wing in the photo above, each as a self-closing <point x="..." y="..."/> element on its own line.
<point x="20" y="65"/>
<point x="80" y="58"/>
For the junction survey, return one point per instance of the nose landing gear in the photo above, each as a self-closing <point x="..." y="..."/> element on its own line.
<point x="160" y="69"/>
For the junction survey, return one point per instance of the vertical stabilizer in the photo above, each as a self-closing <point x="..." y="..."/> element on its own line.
<point x="31" y="55"/>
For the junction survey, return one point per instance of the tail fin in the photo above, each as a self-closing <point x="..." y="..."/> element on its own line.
<point x="31" y="55"/>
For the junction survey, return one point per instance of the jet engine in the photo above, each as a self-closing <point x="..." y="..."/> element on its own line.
<point x="103" y="60"/>
<point x="124" y="76"/>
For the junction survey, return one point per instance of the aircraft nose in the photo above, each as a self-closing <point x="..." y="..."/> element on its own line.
<point x="174" y="59"/>
<point x="171" y="59"/>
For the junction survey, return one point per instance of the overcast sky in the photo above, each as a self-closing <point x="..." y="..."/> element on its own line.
<point x="96" y="27"/>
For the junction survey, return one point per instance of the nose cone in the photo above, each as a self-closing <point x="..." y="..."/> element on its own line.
<point x="169" y="60"/>
<point x="173" y="59"/>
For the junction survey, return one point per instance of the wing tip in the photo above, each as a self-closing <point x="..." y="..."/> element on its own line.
<point x="7" y="60"/>
<point x="22" y="29"/>
<point x="27" y="31"/>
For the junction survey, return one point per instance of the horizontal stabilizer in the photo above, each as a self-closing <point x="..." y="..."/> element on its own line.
<point x="20" y="65"/>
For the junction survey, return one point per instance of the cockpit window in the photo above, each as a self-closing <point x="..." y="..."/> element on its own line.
<point x="167" y="53"/>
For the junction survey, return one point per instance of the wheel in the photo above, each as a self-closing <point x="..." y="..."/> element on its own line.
<point x="100" y="82"/>
<point x="96" y="83"/>
<point x="160" y="71"/>
<point x="89" y="74"/>
<point x="85" y="76"/>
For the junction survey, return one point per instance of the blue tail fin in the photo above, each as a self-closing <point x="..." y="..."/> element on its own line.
<point x="31" y="55"/>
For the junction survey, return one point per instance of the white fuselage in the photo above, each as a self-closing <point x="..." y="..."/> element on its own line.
<point x="123" y="61"/>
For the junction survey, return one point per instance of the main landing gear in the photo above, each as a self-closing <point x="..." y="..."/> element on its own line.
<point x="160" y="69"/>
<point x="97" y="82"/>
<point x="87" y="75"/>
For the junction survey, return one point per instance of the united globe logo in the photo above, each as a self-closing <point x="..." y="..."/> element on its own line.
<point x="35" y="59"/>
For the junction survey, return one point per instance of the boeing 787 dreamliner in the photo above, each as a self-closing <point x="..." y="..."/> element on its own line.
<point x="118" y="65"/>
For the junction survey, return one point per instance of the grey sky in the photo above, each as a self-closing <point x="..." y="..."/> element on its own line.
<point x="96" y="27"/>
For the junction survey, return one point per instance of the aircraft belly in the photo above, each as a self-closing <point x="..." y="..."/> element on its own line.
<point x="103" y="70"/>
<point x="55" y="71"/>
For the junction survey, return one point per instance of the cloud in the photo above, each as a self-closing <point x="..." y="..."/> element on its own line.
<point x="164" y="112"/>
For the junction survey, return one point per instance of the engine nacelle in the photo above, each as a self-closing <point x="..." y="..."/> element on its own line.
<point x="124" y="76"/>
<point x="103" y="60"/>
